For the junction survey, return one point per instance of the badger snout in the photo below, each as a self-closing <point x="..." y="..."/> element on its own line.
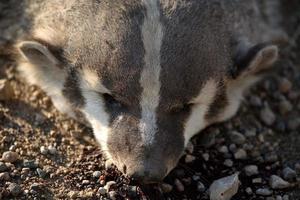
<point x="143" y="160"/>
<point x="148" y="176"/>
<point x="147" y="172"/>
<point x="142" y="164"/>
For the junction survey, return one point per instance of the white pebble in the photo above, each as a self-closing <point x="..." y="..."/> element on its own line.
<point x="102" y="191"/>
<point x="43" y="150"/>
<point x="205" y="156"/>
<point x="224" y="188"/>
<point x="251" y="170"/>
<point x="264" y="192"/>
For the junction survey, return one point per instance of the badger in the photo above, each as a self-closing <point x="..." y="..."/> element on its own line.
<point x="148" y="75"/>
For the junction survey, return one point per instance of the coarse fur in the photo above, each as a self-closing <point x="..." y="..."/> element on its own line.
<point x="149" y="74"/>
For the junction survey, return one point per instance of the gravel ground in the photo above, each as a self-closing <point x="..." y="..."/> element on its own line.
<point x="45" y="155"/>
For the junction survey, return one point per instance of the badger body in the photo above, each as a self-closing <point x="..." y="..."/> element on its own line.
<point x="148" y="74"/>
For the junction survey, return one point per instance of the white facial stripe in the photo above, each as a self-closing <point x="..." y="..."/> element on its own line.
<point x="152" y="34"/>
<point x="90" y="81"/>
<point x="235" y="95"/>
<point x="196" y="120"/>
<point x="94" y="111"/>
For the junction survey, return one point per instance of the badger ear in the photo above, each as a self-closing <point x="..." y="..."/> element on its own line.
<point x="253" y="60"/>
<point x="39" y="65"/>
<point x="37" y="53"/>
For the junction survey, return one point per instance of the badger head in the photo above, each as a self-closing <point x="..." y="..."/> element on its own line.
<point x="147" y="76"/>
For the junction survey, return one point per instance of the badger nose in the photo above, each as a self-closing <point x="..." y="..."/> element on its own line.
<point x="148" y="176"/>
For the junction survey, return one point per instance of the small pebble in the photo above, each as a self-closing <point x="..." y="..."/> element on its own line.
<point x="271" y="158"/>
<point x="248" y="147"/>
<point x="237" y="137"/>
<point x="228" y="163"/>
<point x="278" y="197"/>
<point x="285" y="107"/>
<point x="31" y="164"/>
<point x="179" y="185"/>
<point x="251" y="170"/>
<point x="241" y="154"/>
<point x="261" y="138"/>
<point x="41" y="173"/>
<point x="205" y="156"/>
<point x="249" y="191"/>
<point x="52" y="150"/>
<point x="200" y="186"/>
<point x="278" y="183"/>
<point x="102" y="182"/>
<point x="109" y="184"/>
<point x="250" y="133"/>
<point x="4" y="176"/>
<point x="87" y="194"/>
<point x="255" y="101"/>
<point x="196" y="177"/>
<point x="113" y="195"/>
<point x="289" y="174"/>
<point x="233" y="148"/>
<point x="267" y="116"/>
<point x="102" y="191"/>
<point x="189" y="158"/>
<point x="35" y="186"/>
<point x="285" y="197"/>
<point x="10" y="156"/>
<point x="187" y="181"/>
<point x="285" y="85"/>
<point x="25" y="171"/>
<point x="264" y="192"/>
<point x="223" y="149"/>
<point x="14" y="189"/>
<point x="43" y="150"/>
<point x="257" y="180"/>
<point x="73" y="194"/>
<point x="166" y="188"/>
<point x="96" y="174"/>
<point x="3" y="167"/>
<point x="85" y="182"/>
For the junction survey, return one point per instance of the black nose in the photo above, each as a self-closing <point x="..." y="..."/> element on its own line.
<point x="148" y="176"/>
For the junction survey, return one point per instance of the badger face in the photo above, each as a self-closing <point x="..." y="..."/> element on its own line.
<point x="146" y="75"/>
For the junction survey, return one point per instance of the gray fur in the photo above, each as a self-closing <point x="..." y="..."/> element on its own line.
<point x="202" y="40"/>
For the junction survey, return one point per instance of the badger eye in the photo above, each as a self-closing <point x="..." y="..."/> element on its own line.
<point x="111" y="100"/>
